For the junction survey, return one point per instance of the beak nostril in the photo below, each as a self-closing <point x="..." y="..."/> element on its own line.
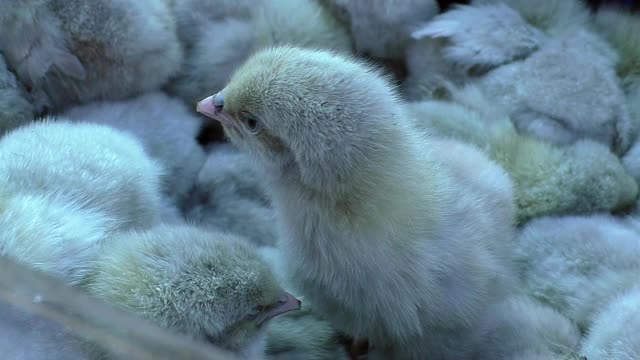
<point x="218" y="101"/>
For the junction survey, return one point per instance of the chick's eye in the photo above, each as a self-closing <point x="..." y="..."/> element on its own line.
<point x="252" y="123"/>
<point x="253" y="315"/>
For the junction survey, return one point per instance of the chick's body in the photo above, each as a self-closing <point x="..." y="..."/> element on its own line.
<point x="392" y="236"/>
<point x="208" y="285"/>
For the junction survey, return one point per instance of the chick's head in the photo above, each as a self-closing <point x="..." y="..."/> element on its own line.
<point x="317" y="113"/>
<point x="208" y="285"/>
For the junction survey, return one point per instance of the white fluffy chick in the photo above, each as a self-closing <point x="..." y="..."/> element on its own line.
<point x="166" y="128"/>
<point x="356" y="186"/>
<point x="493" y="35"/>
<point x="614" y="332"/>
<point x="538" y="91"/>
<point x="535" y="73"/>
<point x="65" y="188"/>
<point x="582" y="178"/>
<point x="225" y="43"/>
<point x="382" y="28"/>
<point x="229" y="195"/>
<point x="522" y="328"/>
<point x="208" y="285"/>
<point x="578" y="265"/>
<point x="16" y="108"/>
<point x="78" y="51"/>
<point x="95" y="165"/>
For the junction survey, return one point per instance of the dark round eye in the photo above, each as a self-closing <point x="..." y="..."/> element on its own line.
<point x="253" y="315"/>
<point x="252" y="123"/>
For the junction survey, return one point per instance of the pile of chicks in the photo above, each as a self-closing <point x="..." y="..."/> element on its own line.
<point x="396" y="180"/>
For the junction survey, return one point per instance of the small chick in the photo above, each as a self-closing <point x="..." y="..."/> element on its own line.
<point x="581" y="178"/>
<point x="16" y="108"/>
<point x="382" y="28"/>
<point x="95" y="166"/>
<point x="208" y="285"/>
<point x="356" y="186"/>
<point x="522" y="328"/>
<point x="559" y="77"/>
<point x="578" y="265"/>
<point x="76" y="51"/>
<point x="166" y="128"/>
<point x="493" y="35"/>
<point x="65" y="188"/>
<point x="534" y="66"/>
<point x="229" y="195"/>
<point x="614" y="332"/>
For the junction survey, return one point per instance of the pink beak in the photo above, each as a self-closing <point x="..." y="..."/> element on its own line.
<point x="287" y="303"/>
<point x="212" y="107"/>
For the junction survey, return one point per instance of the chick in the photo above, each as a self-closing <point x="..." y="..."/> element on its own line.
<point x="493" y="35"/>
<point x="441" y="53"/>
<point x="166" y="128"/>
<point x="614" y="333"/>
<point x="65" y="188"/>
<point x="558" y="77"/>
<point x="522" y="328"/>
<point x="578" y="265"/>
<point x="535" y="63"/>
<point x="16" y="108"/>
<point x="382" y="28"/>
<point x="97" y="166"/>
<point x="582" y="178"/>
<point x="77" y="51"/>
<point x="229" y="196"/>
<point x="225" y="42"/>
<point x="208" y="285"/>
<point x="355" y="186"/>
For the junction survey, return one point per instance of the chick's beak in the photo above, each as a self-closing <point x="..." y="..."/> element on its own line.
<point x="212" y="107"/>
<point x="286" y="303"/>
